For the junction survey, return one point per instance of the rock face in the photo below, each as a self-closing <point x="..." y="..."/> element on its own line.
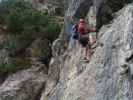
<point x="54" y="7"/>
<point x="117" y="47"/>
<point x="56" y="64"/>
<point x="106" y="8"/>
<point x="100" y="79"/>
<point x="40" y="51"/>
<point x="24" y="85"/>
<point x="70" y="78"/>
<point x="79" y="8"/>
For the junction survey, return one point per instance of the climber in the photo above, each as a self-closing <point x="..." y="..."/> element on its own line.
<point x="74" y="35"/>
<point x="84" y="38"/>
<point x="75" y="31"/>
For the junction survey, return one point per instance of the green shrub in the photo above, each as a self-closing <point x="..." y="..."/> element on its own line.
<point x="53" y="30"/>
<point x="16" y="43"/>
<point x="21" y="17"/>
<point x="11" y="43"/>
<point x="25" y="24"/>
<point x="7" y="68"/>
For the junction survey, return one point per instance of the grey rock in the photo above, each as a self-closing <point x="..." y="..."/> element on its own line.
<point x="24" y="85"/>
<point x="54" y="7"/>
<point x="79" y="8"/>
<point x="59" y="48"/>
<point x="40" y="51"/>
<point x="4" y="57"/>
<point x="105" y="10"/>
<point x="99" y="79"/>
<point x="70" y="78"/>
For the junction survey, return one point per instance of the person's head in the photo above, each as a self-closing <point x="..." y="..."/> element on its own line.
<point x="81" y="20"/>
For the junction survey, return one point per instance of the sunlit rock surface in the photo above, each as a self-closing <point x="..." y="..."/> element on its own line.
<point x="100" y="79"/>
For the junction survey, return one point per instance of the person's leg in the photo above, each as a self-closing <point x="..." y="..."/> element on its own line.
<point x="80" y="45"/>
<point x="84" y="49"/>
<point x="84" y="52"/>
<point x="88" y="53"/>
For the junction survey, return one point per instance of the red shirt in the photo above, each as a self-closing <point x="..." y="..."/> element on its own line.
<point x="83" y="30"/>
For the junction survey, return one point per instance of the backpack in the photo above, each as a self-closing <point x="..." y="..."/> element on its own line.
<point x="75" y="31"/>
<point x="75" y="28"/>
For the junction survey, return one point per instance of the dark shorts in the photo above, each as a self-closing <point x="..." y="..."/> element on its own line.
<point x="84" y="41"/>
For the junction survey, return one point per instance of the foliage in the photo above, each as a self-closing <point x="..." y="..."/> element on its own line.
<point x="26" y="24"/>
<point x="22" y="17"/>
<point x="17" y="43"/>
<point x="53" y="30"/>
<point x="7" y="68"/>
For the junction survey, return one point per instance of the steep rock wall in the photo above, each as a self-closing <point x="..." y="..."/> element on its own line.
<point x="79" y="8"/>
<point x="24" y="85"/>
<point x="100" y="79"/>
<point x="106" y="8"/>
<point x="69" y="78"/>
<point x="117" y="47"/>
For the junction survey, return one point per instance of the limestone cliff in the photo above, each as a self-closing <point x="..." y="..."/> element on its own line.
<point x="70" y="78"/>
<point x="100" y="79"/>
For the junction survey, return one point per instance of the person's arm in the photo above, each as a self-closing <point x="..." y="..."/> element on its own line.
<point x="92" y="30"/>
